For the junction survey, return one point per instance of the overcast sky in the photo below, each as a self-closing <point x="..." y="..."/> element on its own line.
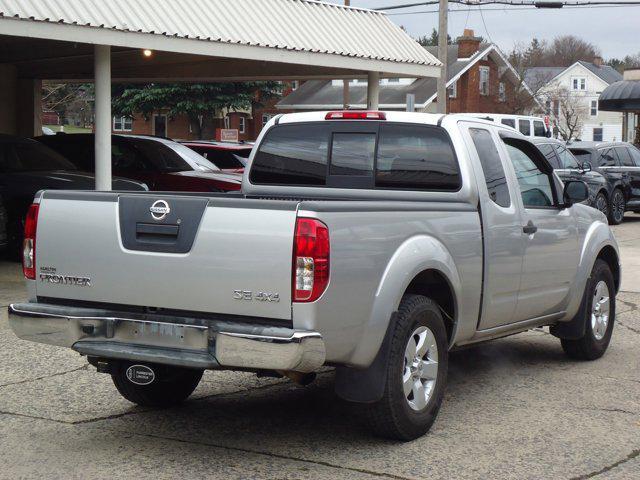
<point x="615" y="30"/>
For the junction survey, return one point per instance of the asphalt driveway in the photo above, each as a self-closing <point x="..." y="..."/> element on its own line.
<point x="514" y="408"/>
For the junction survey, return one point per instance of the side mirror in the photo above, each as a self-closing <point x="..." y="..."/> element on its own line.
<point x="586" y="167"/>
<point x="575" y="191"/>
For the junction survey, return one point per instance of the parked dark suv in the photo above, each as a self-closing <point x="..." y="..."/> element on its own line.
<point x="568" y="167"/>
<point x="619" y="163"/>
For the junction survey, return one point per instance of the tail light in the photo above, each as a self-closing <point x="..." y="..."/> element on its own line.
<point x="355" y="115"/>
<point x="29" y="243"/>
<point x="310" y="260"/>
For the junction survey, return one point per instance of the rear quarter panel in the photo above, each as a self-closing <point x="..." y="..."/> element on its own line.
<point x="377" y="248"/>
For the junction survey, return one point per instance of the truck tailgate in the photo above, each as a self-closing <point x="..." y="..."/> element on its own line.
<point x="167" y="251"/>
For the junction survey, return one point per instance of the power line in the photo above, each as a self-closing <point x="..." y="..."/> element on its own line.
<point x="520" y="3"/>
<point x="485" y="25"/>
<point x="511" y="9"/>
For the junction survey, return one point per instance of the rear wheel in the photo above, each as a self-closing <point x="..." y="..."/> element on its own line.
<point x="602" y="204"/>
<point x="170" y="385"/>
<point x="618" y="205"/>
<point x="600" y="313"/>
<point x="416" y="372"/>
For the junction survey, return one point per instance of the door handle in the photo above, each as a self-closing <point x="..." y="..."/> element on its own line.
<point x="530" y="228"/>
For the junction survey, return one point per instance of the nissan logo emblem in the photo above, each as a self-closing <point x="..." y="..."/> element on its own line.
<point x="159" y="210"/>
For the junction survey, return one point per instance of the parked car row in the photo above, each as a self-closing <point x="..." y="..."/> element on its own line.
<point x="67" y="162"/>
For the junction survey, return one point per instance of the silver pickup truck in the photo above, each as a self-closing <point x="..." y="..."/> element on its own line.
<point x="373" y="242"/>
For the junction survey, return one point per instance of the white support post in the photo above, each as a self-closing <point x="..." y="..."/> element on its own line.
<point x="373" y="90"/>
<point x="102" y="79"/>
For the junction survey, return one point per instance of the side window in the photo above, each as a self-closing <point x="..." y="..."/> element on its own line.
<point x="607" y="158"/>
<point x="567" y="160"/>
<point x="625" y="157"/>
<point x="416" y="157"/>
<point x="635" y="155"/>
<point x="292" y="155"/>
<point x="525" y="127"/>
<point x="492" y="166"/>
<point x="550" y="154"/>
<point x="509" y="122"/>
<point x="535" y="185"/>
<point x="127" y="159"/>
<point x="539" y="129"/>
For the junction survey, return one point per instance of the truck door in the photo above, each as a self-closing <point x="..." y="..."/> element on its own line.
<point x="551" y="252"/>
<point x="502" y="227"/>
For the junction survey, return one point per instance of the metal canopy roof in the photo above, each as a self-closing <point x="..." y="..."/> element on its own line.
<point x="300" y="32"/>
<point x="621" y="96"/>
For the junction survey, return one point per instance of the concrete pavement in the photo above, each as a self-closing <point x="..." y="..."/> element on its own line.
<point x="514" y="408"/>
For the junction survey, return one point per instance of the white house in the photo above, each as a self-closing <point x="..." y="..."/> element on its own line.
<point x="582" y="82"/>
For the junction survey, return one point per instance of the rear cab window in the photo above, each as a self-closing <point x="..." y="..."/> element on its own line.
<point x="371" y="155"/>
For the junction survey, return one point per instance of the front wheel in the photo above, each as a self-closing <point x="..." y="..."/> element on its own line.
<point x="618" y="205"/>
<point x="600" y="314"/>
<point x="602" y="204"/>
<point x="416" y="372"/>
<point x="168" y="386"/>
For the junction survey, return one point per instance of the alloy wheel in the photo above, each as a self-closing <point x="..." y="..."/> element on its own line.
<point x="601" y="204"/>
<point x="600" y="310"/>
<point x="420" y="368"/>
<point x="617" y="206"/>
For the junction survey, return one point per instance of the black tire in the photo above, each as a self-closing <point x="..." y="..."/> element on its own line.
<point x="601" y="203"/>
<point x="392" y="416"/>
<point x="172" y="386"/>
<point x="589" y="346"/>
<point x="617" y="207"/>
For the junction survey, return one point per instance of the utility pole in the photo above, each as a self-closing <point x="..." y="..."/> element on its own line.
<point x="442" y="55"/>
<point x="345" y="83"/>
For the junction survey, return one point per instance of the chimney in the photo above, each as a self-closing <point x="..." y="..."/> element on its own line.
<point x="597" y="61"/>
<point x="468" y="44"/>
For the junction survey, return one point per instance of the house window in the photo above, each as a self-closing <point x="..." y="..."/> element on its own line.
<point x="594" y="108"/>
<point x="597" y="134"/>
<point x="484" y="80"/>
<point x="295" y="84"/>
<point x="241" y="125"/>
<point x="266" y="118"/>
<point x="578" y="83"/>
<point x="453" y="90"/>
<point x="502" y="92"/>
<point x="122" y="124"/>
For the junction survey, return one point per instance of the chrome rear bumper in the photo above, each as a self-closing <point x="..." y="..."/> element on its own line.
<point x="180" y="341"/>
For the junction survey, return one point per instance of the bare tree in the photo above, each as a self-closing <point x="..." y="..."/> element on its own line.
<point x="572" y="111"/>
<point x="568" y="49"/>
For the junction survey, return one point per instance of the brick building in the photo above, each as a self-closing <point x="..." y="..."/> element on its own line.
<point x="479" y="79"/>
<point x="247" y="123"/>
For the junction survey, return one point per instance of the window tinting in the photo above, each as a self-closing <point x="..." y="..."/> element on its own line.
<point x="29" y="157"/>
<point x="416" y="157"/>
<point x="525" y="127"/>
<point x="625" y="157"/>
<point x="353" y="153"/>
<point x="607" y="158"/>
<point x="567" y="160"/>
<point x="635" y="155"/>
<point x="224" y="159"/>
<point x="539" y="129"/>
<point x="535" y="185"/>
<point x="492" y="166"/>
<point x="550" y="154"/>
<point x="582" y="155"/>
<point x="509" y="122"/>
<point x="292" y="155"/>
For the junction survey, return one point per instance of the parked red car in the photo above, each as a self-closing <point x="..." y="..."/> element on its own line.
<point x="162" y="164"/>
<point x="227" y="156"/>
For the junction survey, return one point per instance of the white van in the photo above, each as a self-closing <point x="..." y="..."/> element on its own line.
<point x="526" y="125"/>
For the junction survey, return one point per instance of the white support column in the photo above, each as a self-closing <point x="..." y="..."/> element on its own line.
<point x="102" y="74"/>
<point x="373" y="90"/>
